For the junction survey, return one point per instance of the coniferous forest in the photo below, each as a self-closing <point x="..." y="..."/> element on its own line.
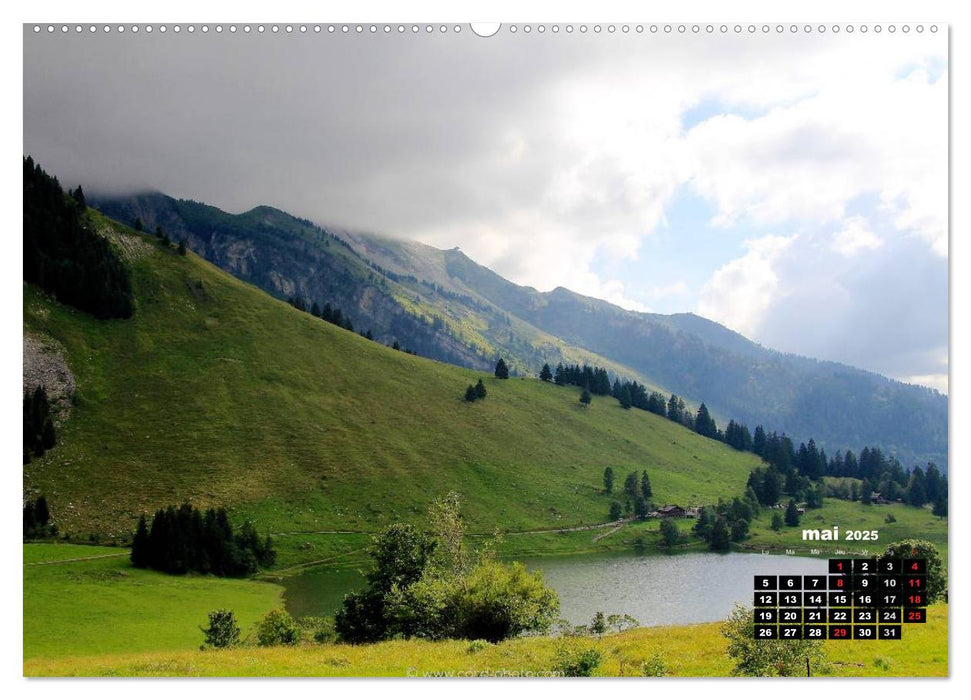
<point x="184" y="539"/>
<point x="64" y="256"/>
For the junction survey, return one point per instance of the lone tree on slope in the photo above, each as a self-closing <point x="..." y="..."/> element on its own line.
<point x="502" y="372"/>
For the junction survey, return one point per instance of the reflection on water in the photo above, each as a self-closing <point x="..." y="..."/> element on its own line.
<point x="662" y="590"/>
<point x="656" y="590"/>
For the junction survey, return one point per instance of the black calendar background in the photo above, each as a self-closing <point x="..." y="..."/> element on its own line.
<point x="863" y="598"/>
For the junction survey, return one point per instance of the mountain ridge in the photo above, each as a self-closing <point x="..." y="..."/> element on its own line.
<point x="448" y="307"/>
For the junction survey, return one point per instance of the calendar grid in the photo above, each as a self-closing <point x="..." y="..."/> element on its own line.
<point x="863" y="599"/>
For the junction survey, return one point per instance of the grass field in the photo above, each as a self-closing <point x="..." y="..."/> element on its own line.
<point x="344" y="549"/>
<point x="216" y="393"/>
<point x="696" y="650"/>
<point x="102" y="605"/>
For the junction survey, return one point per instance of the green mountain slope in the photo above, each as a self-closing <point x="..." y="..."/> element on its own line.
<point x="399" y="293"/>
<point x="217" y="393"/>
<point x="448" y="307"/>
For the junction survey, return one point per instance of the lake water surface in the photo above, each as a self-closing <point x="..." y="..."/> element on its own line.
<point x="655" y="590"/>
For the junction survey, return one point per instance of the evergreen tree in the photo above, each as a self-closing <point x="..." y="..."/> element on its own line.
<point x="669" y="532"/>
<point x="739" y="530"/>
<point x="140" y="557"/>
<point x="777" y="521"/>
<point x="866" y="493"/>
<point x="720" y="539"/>
<point x="585" y="398"/>
<point x="758" y="441"/>
<point x="615" y="511"/>
<point x="704" y="424"/>
<point x="41" y="514"/>
<point x="608" y="480"/>
<point x="139" y="226"/>
<point x="559" y="378"/>
<point x="480" y="389"/>
<point x="940" y="506"/>
<point x="792" y="514"/>
<point x="916" y="493"/>
<point x="64" y="255"/>
<point x="182" y="248"/>
<point x="30" y="520"/>
<point x="545" y="374"/>
<point x="48" y="438"/>
<point x="646" y="491"/>
<point x="640" y="507"/>
<point x="631" y="485"/>
<point x="674" y="409"/>
<point x="625" y="397"/>
<point x="470" y="394"/>
<point x="502" y="371"/>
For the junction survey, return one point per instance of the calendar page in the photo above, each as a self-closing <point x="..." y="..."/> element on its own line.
<point x="450" y="350"/>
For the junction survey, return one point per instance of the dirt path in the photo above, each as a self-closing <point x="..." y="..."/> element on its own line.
<point x="553" y="530"/>
<point x="65" y="561"/>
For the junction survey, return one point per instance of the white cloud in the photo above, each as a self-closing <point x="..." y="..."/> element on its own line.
<point x="741" y="291"/>
<point x="854" y="237"/>
<point x="675" y="289"/>
<point x="932" y="381"/>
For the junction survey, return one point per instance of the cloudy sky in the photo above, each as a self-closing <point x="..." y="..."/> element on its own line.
<point x="790" y="186"/>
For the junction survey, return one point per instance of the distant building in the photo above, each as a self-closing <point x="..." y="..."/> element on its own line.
<point x="671" y="512"/>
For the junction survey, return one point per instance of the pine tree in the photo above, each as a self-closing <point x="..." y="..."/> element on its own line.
<point x="502" y="371"/>
<point x="182" y="248"/>
<point x="48" y="438"/>
<point x="470" y="394"/>
<point x="140" y="545"/>
<point x="940" y="506"/>
<point x="704" y="424"/>
<point x="585" y="398"/>
<point x="545" y="374"/>
<point x="615" y="510"/>
<point x="625" y="397"/>
<point x="674" y="409"/>
<point x="608" y="480"/>
<point x="720" y="539"/>
<point x="866" y="493"/>
<point x="78" y="195"/>
<point x="669" y="532"/>
<point x="139" y="226"/>
<point x="480" y="390"/>
<point x="646" y="485"/>
<point x="559" y="378"/>
<point x="631" y="485"/>
<point x="792" y="514"/>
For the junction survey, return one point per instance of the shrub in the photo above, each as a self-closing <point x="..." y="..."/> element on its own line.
<point x="477" y="645"/>
<point x="922" y="549"/>
<point x="319" y="630"/>
<point x="222" y="631"/>
<point x="767" y="657"/>
<point x="277" y="628"/>
<point x="655" y="666"/>
<point x="575" y="660"/>
<point x="428" y="586"/>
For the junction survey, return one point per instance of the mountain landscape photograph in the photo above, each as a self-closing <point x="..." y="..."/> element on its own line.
<point x="441" y="350"/>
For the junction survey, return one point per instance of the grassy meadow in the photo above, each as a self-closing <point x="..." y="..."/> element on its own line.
<point x="688" y="651"/>
<point x="216" y="393"/>
<point x="101" y="604"/>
